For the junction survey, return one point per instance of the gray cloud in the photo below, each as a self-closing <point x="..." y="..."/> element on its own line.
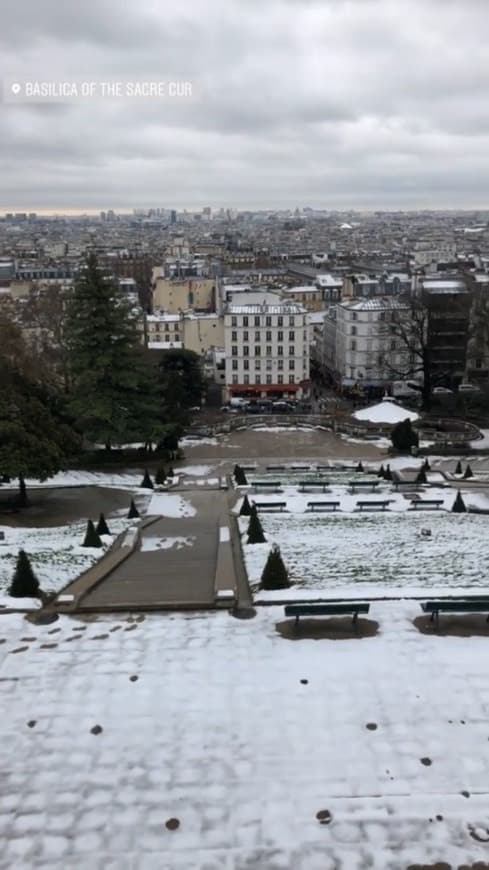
<point x="340" y="102"/>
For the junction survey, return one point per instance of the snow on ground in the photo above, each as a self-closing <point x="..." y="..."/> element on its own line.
<point x="481" y="443"/>
<point x="196" y="470"/>
<point x="188" y="441"/>
<point x="56" y="554"/>
<point x="128" y="480"/>
<point x="386" y="411"/>
<point x="280" y="428"/>
<point x="170" y="505"/>
<point x="178" y="542"/>
<point x="244" y="755"/>
<point x="373" y="553"/>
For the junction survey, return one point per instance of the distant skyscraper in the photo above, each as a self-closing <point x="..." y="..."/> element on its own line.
<point x="173" y="216"/>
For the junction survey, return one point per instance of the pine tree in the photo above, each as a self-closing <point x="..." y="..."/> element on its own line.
<point x="24" y="582"/>
<point x="255" y="530"/>
<point x="468" y="473"/>
<point x="275" y="575"/>
<point x="245" y="509"/>
<point x="160" y="476"/>
<point x="458" y="469"/>
<point x="381" y="471"/>
<point x="360" y="467"/>
<point x="388" y="473"/>
<point x="114" y="391"/>
<point x="421" y="476"/>
<point x="240" y="476"/>
<point x="102" y="527"/>
<point x="146" y="482"/>
<point x="458" y="506"/>
<point x="133" y="511"/>
<point x="91" y="537"/>
<point x="426" y="465"/>
<point x="403" y="436"/>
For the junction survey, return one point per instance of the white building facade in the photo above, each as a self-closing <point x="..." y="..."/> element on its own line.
<point x="267" y="351"/>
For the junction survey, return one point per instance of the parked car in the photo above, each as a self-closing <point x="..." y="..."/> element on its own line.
<point x="442" y="391"/>
<point x="281" y="408"/>
<point x="468" y="388"/>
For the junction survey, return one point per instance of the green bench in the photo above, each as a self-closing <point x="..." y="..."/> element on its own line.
<point x="304" y="485"/>
<point x="340" y="608"/>
<point x="270" y="505"/>
<point x="363" y="484"/>
<point x="373" y="505"/>
<point x="426" y="503"/>
<point x="460" y="605"/>
<point x="322" y="505"/>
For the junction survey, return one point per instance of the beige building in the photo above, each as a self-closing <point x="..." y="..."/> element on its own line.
<point x="175" y="295"/>
<point x="200" y="333"/>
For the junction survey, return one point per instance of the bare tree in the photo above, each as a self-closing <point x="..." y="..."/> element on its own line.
<point x="42" y="318"/>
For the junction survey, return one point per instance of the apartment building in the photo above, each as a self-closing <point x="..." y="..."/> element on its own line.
<point x="198" y="332"/>
<point x="360" y="345"/>
<point x="267" y="351"/>
<point x="175" y="295"/>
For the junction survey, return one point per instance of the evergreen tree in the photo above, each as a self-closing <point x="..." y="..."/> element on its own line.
<point x="275" y="575"/>
<point x="426" y="465"/>
<point x="255" y="530"/>
<point x="458" y="469"/>
<point x="388" y="473"/>
<point x="181" y="383"/>
<point x="468" y="473"/>
<point x="240" y="476"/>
<point x="114" y="392"/>
<point x="404" y="437"/>
<point x="91" y="537"/>
<point x="160" y="475"/>
<point x="146" y="482"/>
<point x="102" y="527"/>
<point x="421" y="476"/>
<point x="24" y="582"/>
<point x="381" y="471"/>
<point x="133" y="511"/>
<point x="360" y="467"/>
<point x="458" y="506"/>
<point x="245" y="509"/>
<point x="236" y="471"/>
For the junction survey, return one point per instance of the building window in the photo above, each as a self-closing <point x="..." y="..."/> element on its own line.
<point x="353" y="330"/>
<point x="235" y="364"/>
<point x="353" y="315"/>
<point x="246" y="350"/>
<point x="245" y="321"/>
<point x="291" y="350"/>
<point x="234" y="335"/>
<point x="257" y="350"/>
<point x="246" y="379"/>
<point x="280" y="321"/>
<point x="393" y="345"/>
<point x="257" y="321"/>
<point x="245" y="335"/>
<point x="246" y="364"/>
<point x="258" y="364"/>
<point x="268" y="350"/>
<point x="478" y="363"/>
<point x="269" y="365"/>
<point x="353" y="345"/>
<point x="257" y="336"/>
<point x="235" y="379"/>
<point x="280" y="335"/>
<point x="269" y="379"/>
<point x="280" y="379"/>
<point x="291" y="365"/>
<point x="268" y="336"/>
<point x="177" y="336"/>
<point x="291" y="320"/>
<point x="305" y="335"/>
<point x="234" y="350"/>
<point x="382" y="315"/>
<point x="280" y="350"/>
<point x="257" y="379"/>
<point x="280" y="365"/>
<point x="291" y="379"/>
<point x="291" y="335"/>
<point x="268" y="321"/>
<point x="234" y="321"/>
<point x="167" y="336"/>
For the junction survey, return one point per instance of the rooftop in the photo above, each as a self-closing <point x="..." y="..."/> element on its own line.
<point x="285" y="308"/>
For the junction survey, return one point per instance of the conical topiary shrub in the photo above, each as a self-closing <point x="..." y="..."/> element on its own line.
<point x="240" y="476"/>
<point x="255" y="530"/>
<point x="381" y="471"/>
<point x="458" y="506"/>
<point x="421" y="476"/>
<point x="91" y="537"/>
<point x="275" y="575"/>
<point x="236" y="471"/>
<point x="24" y="582"/>
<point x="171" y="473"/>
<point x="388" y="473"/>
<point x="426" y="465"/>
<point x="146" y="482"/>
<point x="468" y="473"/>
<point x="160" y="475"/>
<point x="458" y="469"/>
<point x="133" y="511"/>
<point x="245" y="509"/>
<point x="360" y="467"/>
<point x="102" y="527"/>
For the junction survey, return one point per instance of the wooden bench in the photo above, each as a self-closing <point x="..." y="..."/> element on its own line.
<point x="425" y="503"/>
<point x="460" y="605"/>
<point x="311" y="484"/>
<point x="363" y="484"/>
<point x="322" y="505"/>
<point x="274" y="486"/>
<point x="341" y="608"/>
<point x="324" y="468"/>
<point x="275" y="467"/>
<point x="270" y="505"/>
<point x="373" y="505"/>
<point x="300" y="467"/>
<point x="405" y="484"/>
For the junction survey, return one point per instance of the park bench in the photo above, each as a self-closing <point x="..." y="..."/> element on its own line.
<point x="310" y="484"/>
<point x="373" y="505"/>
<point x="405" y="484"/>
<point x="300" y="467"/>
<point x="460" y="605"/>
<point x="425" y="503"/>
<point x="323" y="468"/>
<point x="363" y="484"/>
<point x="270" y="505"/>
<point x="223" y="483"/>
<point x="272" y="485"/>
<point x="322" y="505"/>
<point x="248" y="467"/>
<point x="341" y="608"/>
<point x="275" y="467"/>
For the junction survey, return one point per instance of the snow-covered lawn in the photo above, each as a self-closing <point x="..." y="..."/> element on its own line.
<point x="243" y="737"/>
<point x="374" y="553"/>
<point x="56" y="554"/>
<point x="114" y="479"/>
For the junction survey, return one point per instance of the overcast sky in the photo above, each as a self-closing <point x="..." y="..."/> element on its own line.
<point x="334" y="104"/>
